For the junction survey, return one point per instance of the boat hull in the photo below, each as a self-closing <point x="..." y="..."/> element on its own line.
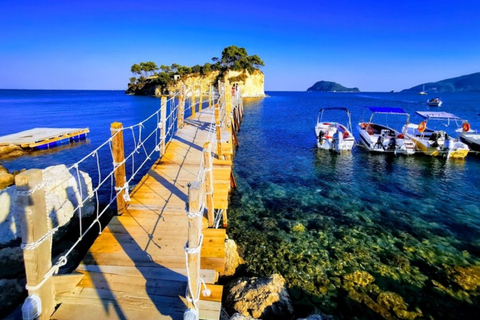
<point x="334" y="136"/>
<point x="382" y="139"/>
<point x="472" y="140"/>
<point x="430" y="145"/>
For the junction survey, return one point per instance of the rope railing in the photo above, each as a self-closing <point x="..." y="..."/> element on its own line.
<point x="200" y="199"/>
<point x="145" y="138"/>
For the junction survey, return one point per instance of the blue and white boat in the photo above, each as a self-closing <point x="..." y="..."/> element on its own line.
<point x="382" y="137"/>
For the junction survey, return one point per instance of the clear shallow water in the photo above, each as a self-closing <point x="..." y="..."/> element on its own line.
<point x="357" y="234"/>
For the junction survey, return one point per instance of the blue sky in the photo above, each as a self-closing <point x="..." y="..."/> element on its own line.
<point x="373" y="45"/>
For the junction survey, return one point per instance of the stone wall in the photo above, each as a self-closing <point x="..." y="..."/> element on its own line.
<point x="62" y="195"/>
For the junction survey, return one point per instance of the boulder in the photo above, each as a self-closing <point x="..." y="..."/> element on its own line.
<point x="11" y="151"/>
<point x="6" y="178"/>
<point x="232" y="258"/>
<point x="62" y="195"/>
<point x="261" y="298"/>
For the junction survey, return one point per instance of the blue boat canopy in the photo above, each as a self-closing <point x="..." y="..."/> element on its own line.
<point x="387" y="110"/>
<point x="439" y="115"/>
<point x="335" y="108"/>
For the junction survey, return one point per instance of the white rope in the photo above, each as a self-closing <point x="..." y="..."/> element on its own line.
<point x="188" y="291"/>
<point x="33" y="245"/>
<point x="53" y="270"/>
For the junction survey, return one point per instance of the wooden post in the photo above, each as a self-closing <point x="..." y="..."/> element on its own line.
<point x="218" y="130"/>
<point x="228" y="99"/>
<point x="163" y="121"/>
<point x="193" y="101"/>
<point x="234" y="136"/>
<point x="210" y="96"/>
<point x="181" y="107"/>
<point x="208" y="165"/>
<point x="194" y="231"/>
<point x="200" y="99"/>
<point x="34" y="225"/>
<point x="224" y="218"/>
<point x="118" y="154"/>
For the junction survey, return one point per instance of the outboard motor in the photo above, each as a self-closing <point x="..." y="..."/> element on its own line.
<point x="379" y="142"/>
<point x="434" y="139"/>
<point x="320" y="136"/>
<point x="392" y="144"/>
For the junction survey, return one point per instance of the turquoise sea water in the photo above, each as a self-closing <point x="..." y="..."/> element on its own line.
<point x="355" y="235"/>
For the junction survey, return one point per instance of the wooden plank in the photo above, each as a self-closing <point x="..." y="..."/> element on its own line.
<point x="66" y="282"/>
<point x="173" y="274"/>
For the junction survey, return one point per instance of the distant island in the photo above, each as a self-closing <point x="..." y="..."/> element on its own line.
<point x="467" y="83"/>
<point x="329" y="86"/>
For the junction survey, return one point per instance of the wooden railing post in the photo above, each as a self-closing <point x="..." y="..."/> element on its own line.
<point x="193" y="101"/>
<point x="210" y="96"/>
<point x="228" y="99"/>
<point x="181" y="107"/>
<point x="193" y="247"/>
<point x="218" y="130"/>
<point x="200" y="99"/>
<point x="34" y="225"/>
<point x="163" y="122"/>
<point x="208" y="165"/>
<point x="118" y="153"/>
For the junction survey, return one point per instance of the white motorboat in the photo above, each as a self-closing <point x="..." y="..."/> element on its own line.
<point x="435" y="142"/>
<point x="376" y="137"/>
<point x="434" y="102"/>
<point x="470" y="137"/>
<point x="333" y="135"/>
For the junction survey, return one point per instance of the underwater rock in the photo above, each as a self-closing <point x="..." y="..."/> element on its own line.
<point x="393" y="301"/>
<point x="298" y="227"/>
<point x="265" y="298"/>
<point x="232" y="258"/>
<point x="361" y="278"/>
<point x="468" y="278"/>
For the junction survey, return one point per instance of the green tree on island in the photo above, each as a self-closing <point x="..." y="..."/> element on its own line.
<point x="233" y="58"/>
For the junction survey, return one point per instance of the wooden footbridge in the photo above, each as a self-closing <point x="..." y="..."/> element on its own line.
<point x="162" y="255"/>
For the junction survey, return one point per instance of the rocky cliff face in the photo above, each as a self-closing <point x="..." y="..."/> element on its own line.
<point x="251" y="85"/>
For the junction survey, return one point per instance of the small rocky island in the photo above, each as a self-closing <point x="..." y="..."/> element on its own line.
<point x="235" y="65"/>
<point x="329" y="86"/>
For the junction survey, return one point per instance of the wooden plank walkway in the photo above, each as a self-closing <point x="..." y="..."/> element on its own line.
<point x="136" y="269"/>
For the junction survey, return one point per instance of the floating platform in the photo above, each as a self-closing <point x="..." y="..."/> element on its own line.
<point x="43" y="138"/>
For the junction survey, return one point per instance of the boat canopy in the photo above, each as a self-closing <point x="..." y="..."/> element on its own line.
<point x="335" y="108"/>
<point x="392" y="110"/>
<point x="439" y="115"/>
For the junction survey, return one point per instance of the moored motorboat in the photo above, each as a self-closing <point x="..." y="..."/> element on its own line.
<point x="332" y="135"/>
<point x="434" y="102"/>
<point x="434" y="142"/>
<point x="376" y="137"/>
<point x="470" y="137"/>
